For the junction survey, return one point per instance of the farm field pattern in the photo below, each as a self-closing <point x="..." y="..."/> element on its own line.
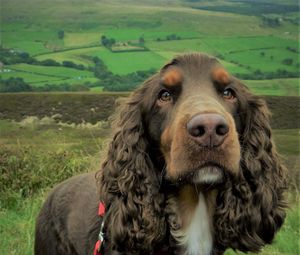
<point x="242" y="41"/>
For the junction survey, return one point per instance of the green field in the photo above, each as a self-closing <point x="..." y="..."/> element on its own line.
<point x="244" y="42"/>
<point x="245" y="53"/>
<point x="275" y="87"/>
<point x="40" y="75"/>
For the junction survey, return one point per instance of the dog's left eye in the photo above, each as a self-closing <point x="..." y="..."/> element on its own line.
<point x="165" y="96"/>
<point x="228" y="94"/>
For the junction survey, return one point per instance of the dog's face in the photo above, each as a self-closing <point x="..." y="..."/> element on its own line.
<point x="195" y="120"/>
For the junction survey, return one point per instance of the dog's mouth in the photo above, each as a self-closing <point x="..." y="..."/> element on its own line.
<point x="209" y="174"/>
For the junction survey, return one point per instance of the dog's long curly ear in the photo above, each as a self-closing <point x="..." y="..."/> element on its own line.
<point x="251" y="208"/>
<point x="129" y="185"/>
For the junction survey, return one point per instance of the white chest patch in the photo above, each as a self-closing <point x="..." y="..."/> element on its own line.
<point x="197" y="238"/>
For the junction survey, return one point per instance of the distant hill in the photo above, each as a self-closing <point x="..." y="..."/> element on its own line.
<point x="103" y="44"/>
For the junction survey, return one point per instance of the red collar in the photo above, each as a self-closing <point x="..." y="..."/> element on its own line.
<point x="98" y="245"/>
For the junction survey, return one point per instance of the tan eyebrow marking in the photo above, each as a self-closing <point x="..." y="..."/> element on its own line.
<point x="220" y="75"/>
<point x="172" y="77"/>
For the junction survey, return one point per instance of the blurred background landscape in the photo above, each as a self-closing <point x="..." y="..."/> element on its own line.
<point x="65" y="63"/>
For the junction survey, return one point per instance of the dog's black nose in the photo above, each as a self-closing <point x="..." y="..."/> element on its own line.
<point x="208" y="129"/>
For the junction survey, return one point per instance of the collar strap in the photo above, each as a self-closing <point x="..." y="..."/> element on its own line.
<point x="101" y="209"/>
<point x="98" y="245"/>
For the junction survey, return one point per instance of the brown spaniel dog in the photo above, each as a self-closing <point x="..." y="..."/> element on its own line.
<point x="191" y="169"/>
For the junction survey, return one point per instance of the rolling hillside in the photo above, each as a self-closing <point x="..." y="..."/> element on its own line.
<point x="145" y="35"/>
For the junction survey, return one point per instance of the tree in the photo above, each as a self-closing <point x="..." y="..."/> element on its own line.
<point x="61" y="34"/>
<point x="107" y="42"/>
<point x="49" y="62"/>
<point x="14" y="85"/>
<point x="287" y="61"/>
<point x="141" y="40"/>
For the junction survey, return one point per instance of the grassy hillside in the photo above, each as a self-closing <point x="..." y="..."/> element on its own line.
<point x="29" y="162"/>
<point x="275" y="87"/>
<point x="149" y="34"/>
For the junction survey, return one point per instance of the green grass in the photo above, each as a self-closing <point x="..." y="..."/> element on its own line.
<point x="275" y="87"/>
<point x="271" y="61"/>
<point x="133" y="34"/>
<point x="40" y="75"/>
<point x="288" y="141"/>
<point x="73" y="149"/>
<point x="66" y="56"/>
<point x="81" y="39"/>
<point x="128" y="62"/>
<point x="96" y="89"/>
<point x="78" y="56"/>
<point x="118" y="62"/>
<point x="286" y="242"/>
<point x="34" y="132"/>
<point x="245" y="51"/>
<point x="29" y="38"/>
<point x="17" y="226"/>
<point x="51" y="70"/>
<point x="72" y="81"/>
<point x="32" y="78"/>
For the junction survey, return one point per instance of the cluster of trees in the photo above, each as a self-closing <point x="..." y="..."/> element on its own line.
<point x="51" y="62"/>
<point x="125" y="82"/>
<point x="271" y="21"/>
<point x="287" y="61"/>
<point x="170" y="37"/>
<point x="292" y="49"/>
<point x="14" y="85"/>
<point x="108" y="80"/>
<point x="71" y="64"/>
<point x="10" y="57"/>
<point x="19" y="85"/>
<point x="107" y="42"/>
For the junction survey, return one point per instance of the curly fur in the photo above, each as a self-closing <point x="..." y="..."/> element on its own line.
<point x="129" y="184"/>
<point x="142" y="206"/>
<point x="250" y="208"/>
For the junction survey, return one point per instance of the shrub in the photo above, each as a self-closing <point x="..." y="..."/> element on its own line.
<point x="14" y="85"/>
<point x="26" y="171"/>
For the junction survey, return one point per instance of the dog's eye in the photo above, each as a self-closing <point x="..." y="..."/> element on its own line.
<point x="228" y="94"/>
<point x="165" y="96"/>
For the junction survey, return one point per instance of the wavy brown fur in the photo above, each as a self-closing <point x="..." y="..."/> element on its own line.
<point x="134" y="184"/>
<point x="129" y="184"/>
<point x="251" y="208"/>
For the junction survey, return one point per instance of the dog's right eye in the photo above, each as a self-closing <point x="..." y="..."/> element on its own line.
<point x="165" y="96"/>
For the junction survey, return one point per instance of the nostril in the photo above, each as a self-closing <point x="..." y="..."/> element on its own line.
<point x="222" y="129"/>
<point x="195" y="130"/>
<point x="198" y="131"/>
